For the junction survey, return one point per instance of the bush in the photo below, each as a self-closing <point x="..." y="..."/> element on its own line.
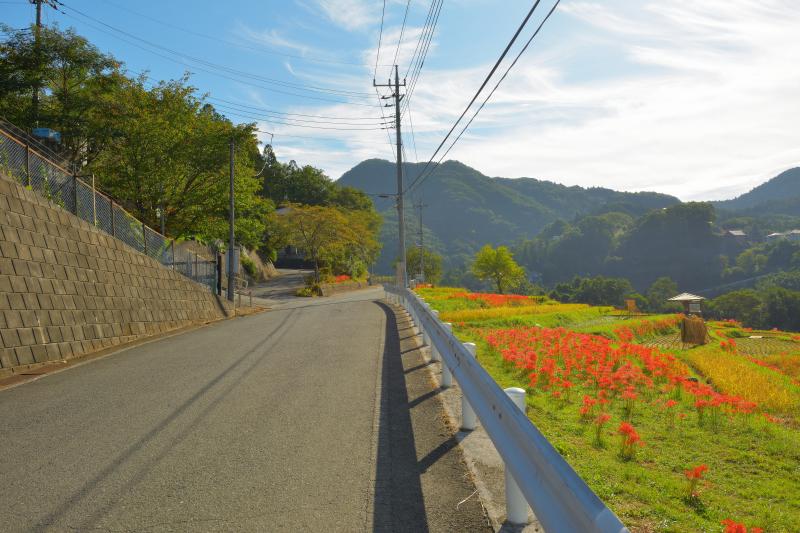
<point x="309" y="291"/>
<point x="249" y="266"/>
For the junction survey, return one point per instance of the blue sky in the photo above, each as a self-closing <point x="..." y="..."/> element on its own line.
<point x="695" y="99"/>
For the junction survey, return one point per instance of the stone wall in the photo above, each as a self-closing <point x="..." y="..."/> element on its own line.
<point x="68" y="288"/>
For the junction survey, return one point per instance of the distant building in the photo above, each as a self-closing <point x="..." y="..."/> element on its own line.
<point x="736" y="235"/>
<point x="691" y="303"/>
<point x="793" y="235"/>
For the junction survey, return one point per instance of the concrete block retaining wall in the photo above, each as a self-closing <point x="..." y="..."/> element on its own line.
<point x="68" y="288"/>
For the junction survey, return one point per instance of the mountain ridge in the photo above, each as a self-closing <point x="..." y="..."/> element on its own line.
<point x="467" y="209"/>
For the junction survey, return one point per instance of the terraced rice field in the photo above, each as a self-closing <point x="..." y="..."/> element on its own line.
<point x="672" y="438"/>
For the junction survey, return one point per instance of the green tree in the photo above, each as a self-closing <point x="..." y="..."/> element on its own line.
<point x="743" y="305"/>
<point x="345" y="241"/>
<point x="78" y="88"/>
<point x="498" y="266"/>
<point x="429" y="260"/>
<point x="171" y="156"/>
<point x="660" y="292"/>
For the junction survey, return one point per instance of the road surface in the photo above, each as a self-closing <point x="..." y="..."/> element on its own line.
<point x="304" y="418"/>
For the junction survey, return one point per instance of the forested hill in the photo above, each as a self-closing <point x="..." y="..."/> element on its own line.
<point x="780" y="195"/>
<point x="466" y="209"/>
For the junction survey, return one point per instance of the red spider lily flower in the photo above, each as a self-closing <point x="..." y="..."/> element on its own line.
<point x="733" y="527"/>
<point x="630" y="438"/>
<point x="694" y="476"/>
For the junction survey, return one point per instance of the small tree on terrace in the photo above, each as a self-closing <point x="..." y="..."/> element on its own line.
<point x="429" y="260"/>
<point x="319" y="232"/>
<point x="498" y="266"/>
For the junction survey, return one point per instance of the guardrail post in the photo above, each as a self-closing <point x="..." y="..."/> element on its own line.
<point x="434" y="353"/>
<point x="468" y="419"/>
<point x="516" y="505"/>
<point x="447" y="376"/>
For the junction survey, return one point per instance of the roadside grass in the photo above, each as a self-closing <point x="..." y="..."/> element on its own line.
<point x="753" y="474"/>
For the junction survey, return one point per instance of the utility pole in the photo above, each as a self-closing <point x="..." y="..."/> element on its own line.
<point x="37" y="52"/>
<point x="419" y="205"/>
<point x="231" y="236"/>
<point x="401" y="249"/>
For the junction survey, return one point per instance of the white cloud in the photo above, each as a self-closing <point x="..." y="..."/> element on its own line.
<point x="697" y="100"/>
<point x="708" y="110"/>
<point x="351" y="14"/>
<point x="272" y="37"/>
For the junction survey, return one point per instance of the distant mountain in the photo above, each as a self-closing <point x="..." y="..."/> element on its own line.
<point x="780" y="195"/>
<point x="466" y="209"/>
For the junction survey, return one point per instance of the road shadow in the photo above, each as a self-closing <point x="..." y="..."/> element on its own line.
<point x="399" y="504"/>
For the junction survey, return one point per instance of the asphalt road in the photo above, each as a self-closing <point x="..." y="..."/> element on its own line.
<point x="308" y="417"/>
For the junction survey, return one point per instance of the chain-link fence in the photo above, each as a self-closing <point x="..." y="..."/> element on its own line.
<point x="23" y="162"/>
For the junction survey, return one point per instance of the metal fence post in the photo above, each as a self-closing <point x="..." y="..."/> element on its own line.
<point x="447" y="376"/>
<point x="219" y="274"/>
<point x="144" y="238"/>
<point x="196" y="269"/>
<point x="172" y="249"/>
<point x="113" y="224"/>
<point x="94" y="201"/>
<point x="75" y="194"/>
<point x="27" y="164"/>
<point x="516" y="505"/>
<point x="468" y="419"/>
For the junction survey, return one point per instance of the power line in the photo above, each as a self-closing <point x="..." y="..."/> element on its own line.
<point x="234" y="109"/>
<point x="283" y="123"/>
<point x="478" y="92"/>
<point x="420" y="59"/>
<point x="421" y="178"/>
<point x="296" y="120"/>
<point x="322" y="139"/>
<point x="260" y="109"/>
<point x="233" y="72"/>
<point x="270" y="111"/>
<point x="380" y="38"/>
<point x="300" y="86"/>
<point x="421" y="35"/>
<point x="413" y="138"/>
<point x="232" y="43"/>
<point x="402" y="30"/>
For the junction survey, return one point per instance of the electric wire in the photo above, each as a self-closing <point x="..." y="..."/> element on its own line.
<point x="299" y="86"/>
<point x="256" y="112"/>
<point x="229" y="108"/>
<point x="423" y="54"/>
<point x="483" y="85"/>
<point x="402" y="31"/>
<point x="273" y="112"/>
<point x="294" y="124"/>
<point x="422" y="177"/>
<point x="232" y="43"/>
<point x="380" y="39"/>
<point x="212" y="66"/>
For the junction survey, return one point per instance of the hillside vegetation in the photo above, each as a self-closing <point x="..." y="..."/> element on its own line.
<point x="468" y="209"/>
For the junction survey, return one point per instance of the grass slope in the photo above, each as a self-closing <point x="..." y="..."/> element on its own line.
<point x="753" y="476"/>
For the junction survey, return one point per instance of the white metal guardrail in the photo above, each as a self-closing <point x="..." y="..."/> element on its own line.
<point x="560" y="499"/>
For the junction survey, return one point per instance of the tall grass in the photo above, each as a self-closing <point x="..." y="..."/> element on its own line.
<point x="734" y="374"/>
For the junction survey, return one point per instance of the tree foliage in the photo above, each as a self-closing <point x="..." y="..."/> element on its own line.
<point x="342" y="240"/>
<point x="498" y="266"/>
<point x="427" y="261"/>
